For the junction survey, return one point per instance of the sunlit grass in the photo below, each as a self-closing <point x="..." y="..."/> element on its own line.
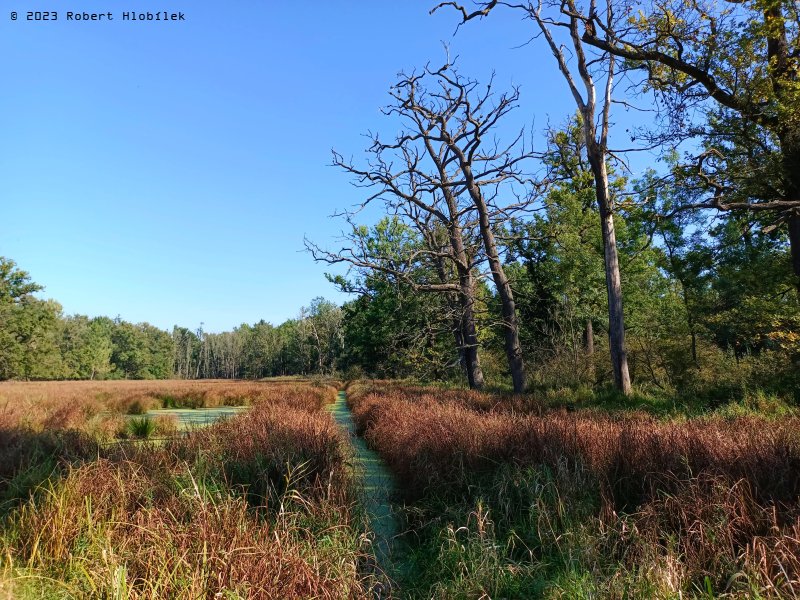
<point x="518" y="500"/>
<point x="256" y="506"/>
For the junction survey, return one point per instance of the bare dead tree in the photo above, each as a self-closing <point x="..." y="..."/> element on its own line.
<point x="440" y="169"/>
<point x="595" y="117"/>
<point x="427" y="264"/>
<point x="460" y="116"/>
<point x="411" y="177"/>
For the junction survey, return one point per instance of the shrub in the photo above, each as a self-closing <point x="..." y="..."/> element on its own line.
<point x="142" y="427"/>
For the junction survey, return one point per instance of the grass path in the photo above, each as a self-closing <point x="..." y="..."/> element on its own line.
<point x="378" y="484"/>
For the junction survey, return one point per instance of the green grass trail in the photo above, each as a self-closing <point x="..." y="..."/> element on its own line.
<point x="378" y="487"/>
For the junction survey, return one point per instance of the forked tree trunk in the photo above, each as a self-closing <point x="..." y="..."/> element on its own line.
<point x="468" y="342"/>
<point x="464" y="329"/>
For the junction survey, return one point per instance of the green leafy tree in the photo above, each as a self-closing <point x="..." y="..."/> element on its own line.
<point x="321" y="322"/>
<point x="140" y="351"/>
<point x="85" y="347"/>
<point x="390" y="330"/>
<point x="394" y="257"/>
<point x="28" y="327"/>
<point x="36" y="326"/>
<point x="751" y="304"/>
<point x="560" y="252"/>
<point x="738" y="64"/>
<point x="15" y="284"/>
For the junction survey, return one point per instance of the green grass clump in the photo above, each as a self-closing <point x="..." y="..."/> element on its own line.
<point x="141" y="427"/>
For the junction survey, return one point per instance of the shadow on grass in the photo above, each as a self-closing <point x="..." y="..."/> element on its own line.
<point x="29" y="458"/>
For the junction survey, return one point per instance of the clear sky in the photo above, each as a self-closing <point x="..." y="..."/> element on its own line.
<point x="168" y="171"/>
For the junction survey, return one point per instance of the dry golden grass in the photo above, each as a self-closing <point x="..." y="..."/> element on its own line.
<point x="236" y="509"/>
<point x="723" y="495"/>
<point x="49" y="405"/>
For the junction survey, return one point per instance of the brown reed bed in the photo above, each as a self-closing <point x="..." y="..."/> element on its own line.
<point x="427" y="438"/>
<point x="474" y="400"/>
<point x="258" y="506"/>
<point x="717" y="499"/>
<point x="67" y="404"/>
<point x="45" y="425"/>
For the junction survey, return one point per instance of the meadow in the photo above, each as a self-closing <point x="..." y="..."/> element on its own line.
<point x="262" y="505"/>
<point x="506" y="497"/>
<point x="495" y="495"/>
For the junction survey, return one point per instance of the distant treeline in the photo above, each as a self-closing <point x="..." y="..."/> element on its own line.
<point x="37" y="341"/>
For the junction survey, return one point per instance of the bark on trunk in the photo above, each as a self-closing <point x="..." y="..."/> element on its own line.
<point x="616" y="322"/>
<point x="508" y="308"/>
<point x="588" y="338"/>
<point x="794" y="244"/>
<point x="791" y="169"/>
<point x="464" y="329"/>
<point x="469" y="334"/>
<point x="784" y="86"/>
<point x="588" y="348"/>
<point x="690" y="323"/>
<point x="466" y="283"/>
<point x="470" y="345"/>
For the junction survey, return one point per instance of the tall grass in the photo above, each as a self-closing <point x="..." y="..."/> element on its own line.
<point x="586" y="504"/>
<point x="259" y="506"/>
<point x="64" y="404"/>
<point x="64" y="421"/>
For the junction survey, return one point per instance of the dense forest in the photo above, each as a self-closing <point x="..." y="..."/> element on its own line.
<point x="543" y="264"/>
<point x="37" y="341"/>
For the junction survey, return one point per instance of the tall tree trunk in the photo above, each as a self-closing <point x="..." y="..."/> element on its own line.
<point x="469" y="339"/>
<point x="508" y="307"/>
<point x="464" y="329"/>
<point x="794" y="244"/>
<point x="588" y="338"/>
<point x="791" y="170"/>
<point x="616" y="322"/>
<point x="588" y="348"/>
<point x="468" y="332"/>
<point x="690" y="323"/>
<point x="783" y="75"/>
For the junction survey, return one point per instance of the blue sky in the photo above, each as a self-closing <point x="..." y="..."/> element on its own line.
<point x="168" y="171"/>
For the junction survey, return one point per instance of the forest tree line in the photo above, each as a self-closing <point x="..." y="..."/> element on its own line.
<point x="540" y="263"/>
<point x="551" y="262"/>
<point x="37" y="341"/>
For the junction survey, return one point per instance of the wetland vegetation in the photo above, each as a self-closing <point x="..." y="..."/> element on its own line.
<point x="571" y="356"/>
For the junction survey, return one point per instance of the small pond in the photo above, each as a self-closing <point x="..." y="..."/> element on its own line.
<point x="189" y="418"/>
